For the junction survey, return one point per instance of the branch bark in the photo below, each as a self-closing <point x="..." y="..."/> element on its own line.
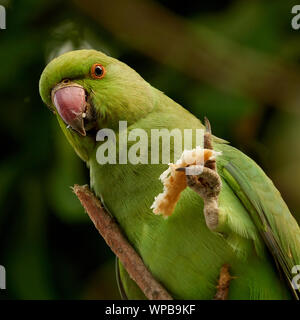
<point x="112" y="234"/>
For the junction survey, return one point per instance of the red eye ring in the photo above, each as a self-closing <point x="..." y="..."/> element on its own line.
<point x="98" y="71"/>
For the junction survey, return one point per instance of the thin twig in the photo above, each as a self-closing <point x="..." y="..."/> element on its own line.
<point x="112" y="234"/>
<point x="223" y="283"/>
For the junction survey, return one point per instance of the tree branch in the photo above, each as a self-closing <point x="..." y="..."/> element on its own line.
<point x="112" y="234"/>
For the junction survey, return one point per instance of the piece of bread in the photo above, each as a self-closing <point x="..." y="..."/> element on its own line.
<point x="175" y="181"/>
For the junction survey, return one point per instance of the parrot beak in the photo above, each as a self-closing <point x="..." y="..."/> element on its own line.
<point x="70" y="102"/>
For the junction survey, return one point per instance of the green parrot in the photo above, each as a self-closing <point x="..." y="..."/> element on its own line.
<point x="256" y="235"/>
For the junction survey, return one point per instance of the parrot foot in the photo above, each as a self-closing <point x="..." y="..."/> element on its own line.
<point x="208" y="185"/>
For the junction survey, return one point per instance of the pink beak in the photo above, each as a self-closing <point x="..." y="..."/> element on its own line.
<point x="70" y="103"/>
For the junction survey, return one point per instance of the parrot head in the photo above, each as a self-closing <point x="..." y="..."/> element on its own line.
<point x="88" y="90"/>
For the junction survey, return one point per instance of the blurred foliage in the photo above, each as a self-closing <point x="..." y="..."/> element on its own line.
<point x="47" y="244"/>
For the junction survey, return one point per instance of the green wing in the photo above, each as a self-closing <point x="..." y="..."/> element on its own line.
<point x="270" y="214"/>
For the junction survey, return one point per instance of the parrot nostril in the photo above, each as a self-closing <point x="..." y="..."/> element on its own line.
<point x="66" y="81"/>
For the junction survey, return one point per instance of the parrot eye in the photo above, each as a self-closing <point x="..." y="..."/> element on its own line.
<point x="98" y="71"/>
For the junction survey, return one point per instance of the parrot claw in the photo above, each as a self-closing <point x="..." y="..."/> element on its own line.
<point x="207" y="125"/>
<point x="208" y="185"/>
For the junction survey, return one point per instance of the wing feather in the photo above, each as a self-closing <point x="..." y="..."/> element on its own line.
<point x="272" y="225"/>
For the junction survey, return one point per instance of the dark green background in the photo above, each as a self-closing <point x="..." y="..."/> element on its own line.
<point x="47" y="243"/>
